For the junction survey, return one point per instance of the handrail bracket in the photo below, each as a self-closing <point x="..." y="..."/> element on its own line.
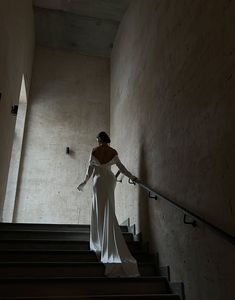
<point x="193" y="223"/>
<point x="152" y="197"/>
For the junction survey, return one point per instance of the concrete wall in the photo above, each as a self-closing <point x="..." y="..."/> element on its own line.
<point x="69" y="104"/>
<point x="172" y="120"/>
<point x="16" y="55"/>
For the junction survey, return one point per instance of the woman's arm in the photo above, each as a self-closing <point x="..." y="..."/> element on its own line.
<point x="88" y="175"/>
<point x="124" y="170"/>
<point x="89" y="172"/>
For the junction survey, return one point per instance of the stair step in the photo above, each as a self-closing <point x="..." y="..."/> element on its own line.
<point x="62" y="269"/>
<point x="60" y="255"/>
<point x="48" y="227"/>
<point x="31" y="287"/>
<point x="100" y="297"/>
<point x="53" y="261"/>
<point x="44" y="244"/>
<point x="47" y="255"/>
<point x="52" y="235"/>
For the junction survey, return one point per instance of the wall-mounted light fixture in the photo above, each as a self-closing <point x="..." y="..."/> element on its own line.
<point x="14" y="110"/>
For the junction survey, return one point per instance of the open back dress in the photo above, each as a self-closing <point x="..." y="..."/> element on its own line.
<point x="106" y="238"/>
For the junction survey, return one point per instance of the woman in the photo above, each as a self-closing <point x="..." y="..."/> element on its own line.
<point x="106" y="238"/>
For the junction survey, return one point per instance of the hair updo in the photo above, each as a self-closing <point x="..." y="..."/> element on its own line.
<point x="103" y="137"/>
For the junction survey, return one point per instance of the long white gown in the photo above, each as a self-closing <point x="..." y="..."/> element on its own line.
<point x="106" y="238"/>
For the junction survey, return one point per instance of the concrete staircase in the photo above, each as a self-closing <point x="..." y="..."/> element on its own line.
<point x="42" y="261"/>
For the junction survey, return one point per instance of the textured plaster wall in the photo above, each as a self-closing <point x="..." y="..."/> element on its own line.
<point x="16" y="55"/>
<point x="69" y="104"/>
<point x="172" y="120"/>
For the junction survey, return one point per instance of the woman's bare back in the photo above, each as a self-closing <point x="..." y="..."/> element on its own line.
<point x="104" y="153"/>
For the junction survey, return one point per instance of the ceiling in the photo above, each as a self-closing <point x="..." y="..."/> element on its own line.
<point x="86" y="26"/>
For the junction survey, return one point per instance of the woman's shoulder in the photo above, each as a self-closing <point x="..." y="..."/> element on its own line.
<point x="94" y="149"/>
<point x="114" y="151"/>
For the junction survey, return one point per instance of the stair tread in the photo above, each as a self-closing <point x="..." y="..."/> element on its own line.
<point x="95" y="283"/>
<point x="55" y="241"/>
<point x="100" y="297"/>
<point x="35" y="279"/>
<point x="42" y="263"/>
<point x="50" y="231"/>
<point x="47" y="251"/>
<point x="34" y="240"/>
<point x="52" y="235"/>
<point x="38" y="226"/>
<point x="122" y="296"/>
<point x="60" y="252"/>
<point x="72" y="286"/>
<point x="59" y="256"/>
<point x="64" y="269"/>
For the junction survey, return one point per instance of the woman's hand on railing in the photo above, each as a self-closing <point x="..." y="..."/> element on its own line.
<point x="133" y="180"/>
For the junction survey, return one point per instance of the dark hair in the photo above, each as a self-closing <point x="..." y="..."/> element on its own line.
<point x="103" y="137"/>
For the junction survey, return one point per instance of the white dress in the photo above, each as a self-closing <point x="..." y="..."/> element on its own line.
<point x="106" y="238"/>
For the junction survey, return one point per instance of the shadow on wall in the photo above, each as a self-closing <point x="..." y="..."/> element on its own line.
<point x="143" y="199"/>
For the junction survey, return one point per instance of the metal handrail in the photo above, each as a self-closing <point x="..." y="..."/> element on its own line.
<point x="215" y="229"/>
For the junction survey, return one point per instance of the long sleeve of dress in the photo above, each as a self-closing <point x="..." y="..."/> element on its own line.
<point x="123" y="169"/>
